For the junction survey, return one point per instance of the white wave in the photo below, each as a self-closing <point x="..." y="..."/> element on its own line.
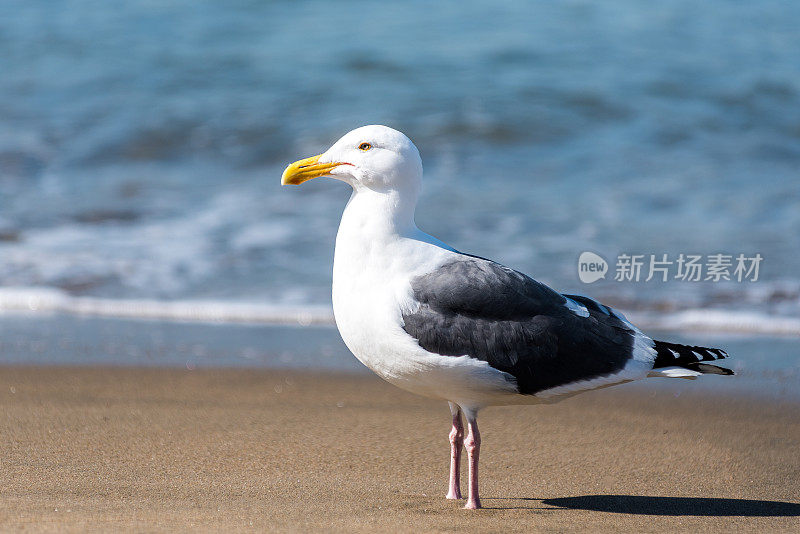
<point x="38" y="300"/>
<point x="718" y="321"/>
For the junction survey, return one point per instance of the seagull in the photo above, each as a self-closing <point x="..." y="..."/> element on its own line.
<point x="464" y="329"/>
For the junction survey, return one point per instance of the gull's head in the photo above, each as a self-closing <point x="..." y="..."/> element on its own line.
<point x="373" y="157"/>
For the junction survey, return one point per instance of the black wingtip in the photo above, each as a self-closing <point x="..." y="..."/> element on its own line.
<point x="690" y="357"/>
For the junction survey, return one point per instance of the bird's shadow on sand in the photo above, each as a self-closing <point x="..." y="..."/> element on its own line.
<point x="672" y="506"/>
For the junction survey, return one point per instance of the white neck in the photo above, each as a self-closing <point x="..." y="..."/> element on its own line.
<point x="372" y="216"/>
<point x="378" y="234"/>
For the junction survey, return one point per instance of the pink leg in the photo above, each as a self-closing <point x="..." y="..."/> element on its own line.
<point x="456" y="442"/>
<point x="473" y="446"/>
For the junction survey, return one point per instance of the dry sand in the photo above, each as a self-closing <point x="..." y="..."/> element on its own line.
<point x="246" y="450"/>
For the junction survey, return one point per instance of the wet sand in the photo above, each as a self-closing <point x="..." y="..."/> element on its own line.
<point x="134" y="449"/>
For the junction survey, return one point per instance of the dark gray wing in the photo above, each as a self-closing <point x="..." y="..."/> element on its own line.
<point x="476" y="307"/>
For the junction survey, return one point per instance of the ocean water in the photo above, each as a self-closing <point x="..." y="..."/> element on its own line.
<point x="141" y="144"/>
<point x="765" y="367"/>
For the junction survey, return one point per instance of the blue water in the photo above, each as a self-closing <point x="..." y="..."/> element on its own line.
<point x="767" y="367"/>
<point x="141" y="143"/>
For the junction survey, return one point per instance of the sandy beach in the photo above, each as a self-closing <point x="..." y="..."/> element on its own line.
<point x="129" y="449"/>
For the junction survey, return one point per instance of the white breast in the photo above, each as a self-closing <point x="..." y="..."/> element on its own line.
<point x="372" y="276"/>
<point x="371" y="289"/>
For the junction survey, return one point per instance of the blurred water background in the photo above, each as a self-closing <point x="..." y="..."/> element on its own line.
<point x="141" y="145"/>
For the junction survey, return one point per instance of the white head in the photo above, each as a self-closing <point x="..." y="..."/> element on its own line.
<point x="374" y="157"/>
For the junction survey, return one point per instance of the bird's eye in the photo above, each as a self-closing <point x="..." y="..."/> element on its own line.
<point x="364" y="146"/>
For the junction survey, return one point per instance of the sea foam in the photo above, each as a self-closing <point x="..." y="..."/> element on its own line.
<point x="34" y="300"/>
<point x="48" y="300"/>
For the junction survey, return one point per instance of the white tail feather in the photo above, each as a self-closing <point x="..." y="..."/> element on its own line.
<point x="675" y="372"/>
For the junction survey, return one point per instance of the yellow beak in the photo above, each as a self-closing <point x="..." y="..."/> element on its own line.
<point x="306" y="169"/>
